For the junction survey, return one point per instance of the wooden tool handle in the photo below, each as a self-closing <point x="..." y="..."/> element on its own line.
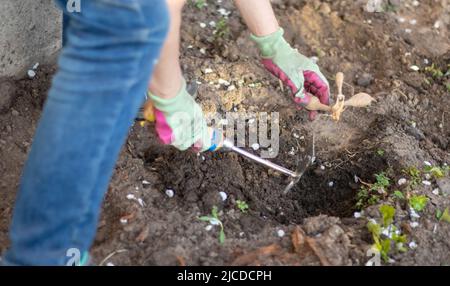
<point x="315" y="104"/>
<point x="339" y="81"/>
<point x="149" y="112"/>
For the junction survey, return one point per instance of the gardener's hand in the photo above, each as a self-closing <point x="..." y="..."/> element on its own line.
<point x="296" y="71"/>
<point x="180" y="121"/>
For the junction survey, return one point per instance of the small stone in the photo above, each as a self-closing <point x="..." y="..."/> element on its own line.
<point x="437" y="25"/>
<point x="413" y="21"/>
<point x="415" y="132"/>
<point x="202" y="51"/>
<point x="325" y="8"/>
<point x="31" y="73"/>
<point x="330" y="184"/>
<point x="427" y="163"/>
<point x="322" y="167"/>
<point x="401" y="20"/>
<point x="401" y="181"/>
<point x="208" y="70"/>
<point x="212" y="24"/>
<point x="413" y="214"/>
<point x="414" y="67"/>
<point x="131" y="197"/>
<point x="415" y="3"/>
<point x="364" y="80"/>
<point x="36" y="65"/>
<point x="170" y="193"/>
<point x="426" y="183"/>
<point x="231" y="87"/>
<point x="414" y="224"/>
<point x="202" y="25"/>
<point x="223" y="195"/>
<point x="14" y="112"/>
<point x="223" y="82"/>
<point x="435" y="191"/>
<point x="444" y="185"/>
<point x="223" y="12"/>
<point x="123" y="221"/>
<point x="208" y="227"/>
<point x="255" y="146"/>
<point x="145" y="182"/>
<point x="357" y="214"/>
<point x="110" y="264"/>
<point x="412" y="245"/>
<point x="280" y="233"/>
<point x="214" y="221"/>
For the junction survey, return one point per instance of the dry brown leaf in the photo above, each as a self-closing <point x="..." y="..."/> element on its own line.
<point x="360" y="100"/>
<point x="298" y="239"/>
<point x="318" y="251"/>
<point x="252" y="257"/>
<point x="181" y="261"/>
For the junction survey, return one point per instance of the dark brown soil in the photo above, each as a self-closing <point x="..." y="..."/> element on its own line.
<point x="408" y="125"/>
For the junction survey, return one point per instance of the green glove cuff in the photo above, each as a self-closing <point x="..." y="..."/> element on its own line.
<point x="171" y="105"/>
<point x="180" y="121"/>
<point x="271" y="44"/>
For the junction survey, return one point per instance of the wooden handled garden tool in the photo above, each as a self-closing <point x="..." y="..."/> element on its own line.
<point x="148" y="115"/>
<point x="358" y="100"/>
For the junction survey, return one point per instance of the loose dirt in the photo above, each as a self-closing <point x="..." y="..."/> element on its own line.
<point x="314" y="223"/>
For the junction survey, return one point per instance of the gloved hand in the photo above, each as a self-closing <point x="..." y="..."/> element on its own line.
<point x="296" y="71"/>
<point x="180" y="121"/>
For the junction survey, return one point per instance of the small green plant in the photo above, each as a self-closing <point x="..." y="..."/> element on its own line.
<point x="222" y="29"/>
<point x="370" y="194"/>
<point x="435" y="171"/>
<point x="380" y="152"/>
<point x="242" y="206"/>
<point x="447" y="86"/>
<point x="387" y="212"/>
<point x="414" y="175"/>
<point x="434" y="71"/>
<point x="199" y="4"/>
<point x="398" y="195"/>
<point x="382" y="181"/>
<point x="418" y="203"/>
<point x="365" y="198"/>
<point x="383" y="243"/>
<point x="443" y="215"/>
<point x="213" y="219"/>
<point x="388" y="7"/>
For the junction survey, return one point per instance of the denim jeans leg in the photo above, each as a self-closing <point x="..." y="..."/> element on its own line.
<point x="103" y="73"/>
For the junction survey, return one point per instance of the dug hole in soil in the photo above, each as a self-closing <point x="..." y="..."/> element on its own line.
<point x="314" y="224"/>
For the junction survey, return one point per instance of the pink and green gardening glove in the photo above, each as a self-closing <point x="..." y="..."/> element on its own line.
<point x="180" y="122"/>
<point x="296" y="71"/>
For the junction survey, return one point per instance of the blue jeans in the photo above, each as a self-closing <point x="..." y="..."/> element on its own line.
<point x="110" y="51"/>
